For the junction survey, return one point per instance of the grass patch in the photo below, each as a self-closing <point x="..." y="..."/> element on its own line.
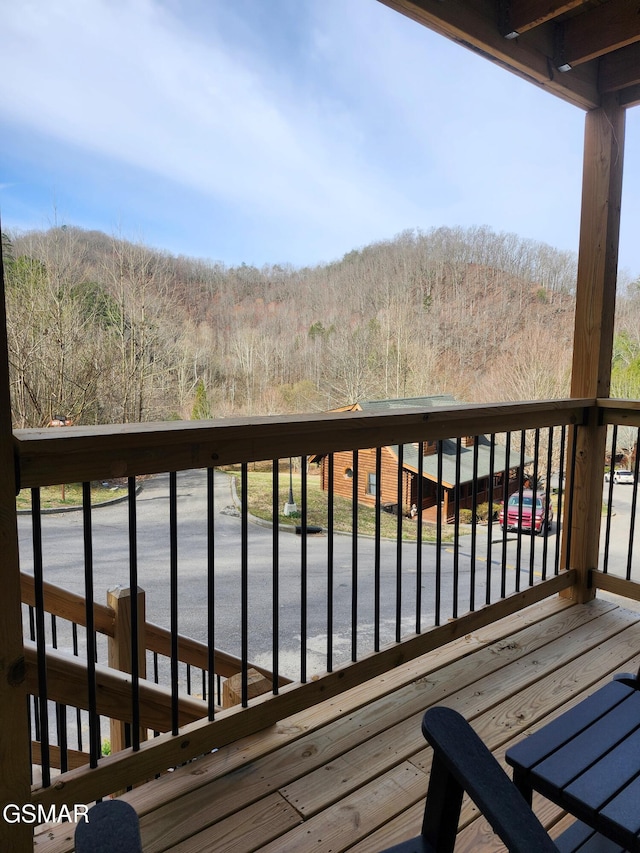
<point x="70" y="495"/>
<point x="260" y="493"/>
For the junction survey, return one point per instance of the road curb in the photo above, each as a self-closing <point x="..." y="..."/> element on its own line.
<point x="54" y="510"/>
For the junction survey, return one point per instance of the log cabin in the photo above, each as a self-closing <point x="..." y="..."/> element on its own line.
<point x="459" y="473"/>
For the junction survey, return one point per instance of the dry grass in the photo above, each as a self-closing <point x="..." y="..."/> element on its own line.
<point x="260" y="500"/>
<point x="70" y="495"/>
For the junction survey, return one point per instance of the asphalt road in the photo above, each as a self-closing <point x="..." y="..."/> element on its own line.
<point x="620" y="541"/>
<point x="64" y="565"/>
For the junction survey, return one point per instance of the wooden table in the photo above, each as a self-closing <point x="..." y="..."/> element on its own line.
<point x="588" y="762"/>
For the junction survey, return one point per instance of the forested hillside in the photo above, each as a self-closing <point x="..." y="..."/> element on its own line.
<point x="103" y="330"/>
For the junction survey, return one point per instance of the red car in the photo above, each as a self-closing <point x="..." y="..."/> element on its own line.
<point x="519" y="516"/>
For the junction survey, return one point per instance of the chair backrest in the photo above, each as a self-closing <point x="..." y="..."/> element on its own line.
<point x="112" y="826"/>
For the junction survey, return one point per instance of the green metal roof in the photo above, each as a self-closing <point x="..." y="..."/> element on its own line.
<point x="449" y="451"/>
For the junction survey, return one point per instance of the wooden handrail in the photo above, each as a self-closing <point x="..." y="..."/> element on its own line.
<point x="67" y="683"/>
<point x="197" y="654"/>
<point x="616" y="585"/>
<point x="621" y="412"/>
<point x="69" y="605"/>
<point x="50" y="457"/>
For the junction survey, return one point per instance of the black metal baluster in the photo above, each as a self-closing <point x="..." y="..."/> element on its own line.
<point x="492" y="462"/>
<point x="74" y="639"/>
<point x="456" y="532"/>
<point x="135" y="622"/>
<point x="30" y="730"/>
<point x="439" y="493"/>
<point x="377" y="562"/>
<point x="275" y="581"/>
<point x="211" y="599"/>
<point x="330" y="560"/>
<point x="95" y="746"/>
<point x="474" y="527"/>
<point x="244" y="584"/>
<point x="304" y="566"/>
<point x="420" y="501"/>
<point x="173" y="597"/>
<point x="354" y="558"/>
<point x="534" y="507"/>
<point x="43" y="709"/>
<point x="607" y="537"/>
<point x="634" y="504"/>
<point x="61" y="710"/>
<point x="520" y="510"/>
<point x="505" y="514"/>
<point x="36" y="700"/>
<point x="399" y="544"/>
<point x="547" y="503"/>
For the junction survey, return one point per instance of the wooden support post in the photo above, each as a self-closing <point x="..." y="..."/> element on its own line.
<point x="257" y="684"/>
<point x="120" y="648"/>
<point x="15" y="778"/>
<point x="593" y="335"/>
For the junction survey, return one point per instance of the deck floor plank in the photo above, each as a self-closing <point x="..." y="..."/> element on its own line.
<point x="360" y="747"/>
<point x="261" y="821"/>
<point x="351" y="774"/>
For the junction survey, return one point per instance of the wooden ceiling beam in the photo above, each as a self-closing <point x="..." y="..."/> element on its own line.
<point x="473" y="23"/>
<point x="524" y="15"/>
<point x="630" y="97"/>
<point x="601" y="30"/>
<point x="620" y="69"/>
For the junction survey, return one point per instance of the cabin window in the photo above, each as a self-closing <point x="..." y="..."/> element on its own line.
<point x="371" y="483"/>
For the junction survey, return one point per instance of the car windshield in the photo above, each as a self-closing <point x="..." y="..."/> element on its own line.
<point x="527" y="500"/>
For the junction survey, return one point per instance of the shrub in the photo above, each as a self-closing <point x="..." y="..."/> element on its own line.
<point x="483" y="511"/>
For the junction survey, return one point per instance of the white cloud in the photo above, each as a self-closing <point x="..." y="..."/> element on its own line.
<point x="127" y="81"/>
<point x="306" y="126"/>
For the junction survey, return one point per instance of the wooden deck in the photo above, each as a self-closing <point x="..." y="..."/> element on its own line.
<point x="351" y="774"/>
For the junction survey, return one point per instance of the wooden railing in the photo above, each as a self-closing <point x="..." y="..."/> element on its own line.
<point x="67" y="676"/>
<point x="85" y="454"/>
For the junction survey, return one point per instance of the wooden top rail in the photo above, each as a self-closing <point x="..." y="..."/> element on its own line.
<point x="621" y="412"/>
<point x="81" y="454"/>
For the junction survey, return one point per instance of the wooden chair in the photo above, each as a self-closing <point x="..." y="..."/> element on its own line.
<point x="461" y="762"/>
<point x="112" y="827"/>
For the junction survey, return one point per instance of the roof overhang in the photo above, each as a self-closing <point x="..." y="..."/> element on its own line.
<point x="580" y="50"/>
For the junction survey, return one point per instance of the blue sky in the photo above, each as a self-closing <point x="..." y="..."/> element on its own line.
<point x="278" y="131"/>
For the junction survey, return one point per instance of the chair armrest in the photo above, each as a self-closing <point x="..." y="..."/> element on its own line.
<point x="458" y="751"/>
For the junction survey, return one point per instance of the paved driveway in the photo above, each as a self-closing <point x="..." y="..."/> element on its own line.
<point x="64" y="562"/>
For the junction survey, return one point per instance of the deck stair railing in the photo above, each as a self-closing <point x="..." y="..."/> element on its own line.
<point x="132" y="708"/>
